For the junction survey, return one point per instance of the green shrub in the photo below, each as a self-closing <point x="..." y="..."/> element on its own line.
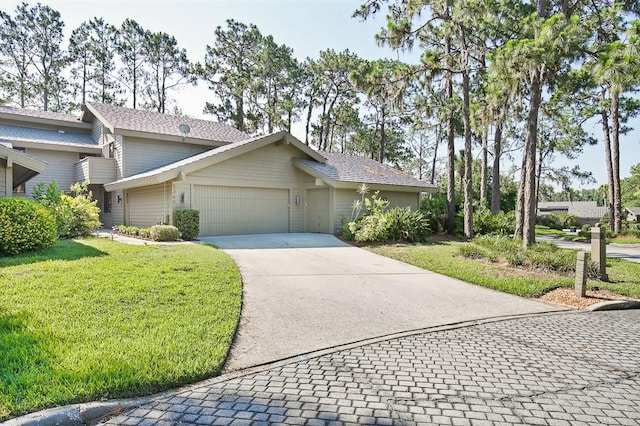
<point x="77" y="215"/>
<point x="370" y="228"/>
<point x="403" y="224"/>
<point x="434" y="207"/>
<point x="188" y="223"/>
<point x="485" y="222"/>
<point x="474" y="251"/>
<point x="25" y="225"/>
<point x="164" y="233"/>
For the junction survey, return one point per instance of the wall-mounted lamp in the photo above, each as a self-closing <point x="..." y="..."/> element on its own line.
<point x="182" y="197"/>
<point x="297" y="200"/>
<point x="119" y="199"/>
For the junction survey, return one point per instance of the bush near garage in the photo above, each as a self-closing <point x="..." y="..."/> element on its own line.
<point x="24" y="226"/>
<point x="164" y="233"/>
<point x="188" y="223"/>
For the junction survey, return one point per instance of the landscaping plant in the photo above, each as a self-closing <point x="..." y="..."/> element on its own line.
<point x="25" y="225"/>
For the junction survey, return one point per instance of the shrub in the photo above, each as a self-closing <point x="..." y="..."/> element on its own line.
<point x="475" y="251"/>
<point x="25" y="225"/>
<point x="434" y="208"/>
<point x="485" y="222"/>
<point x="370" y="228"/>
<point x="406" y="225"/>
<point x="77" y="215"/>
<point x="164" y="233"/>
<point x="188" y="223"/>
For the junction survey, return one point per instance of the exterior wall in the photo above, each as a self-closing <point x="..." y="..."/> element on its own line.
<point x="3" y="178"/>
<point x="96" y="170"/>
<point x="268" y="167"/>
<point x="344" y="198"/>
<point x="96" y="132"/>
<point x="150" y="205"/>
<point x="60" y="167"/>
<point x="141" y="155"/>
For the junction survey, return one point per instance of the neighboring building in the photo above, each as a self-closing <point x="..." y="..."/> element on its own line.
<point x="587" y="212"/>
<point x="633" y="214"/>
<point x="143" y="166"/>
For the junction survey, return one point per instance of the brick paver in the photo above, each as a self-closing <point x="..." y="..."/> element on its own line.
<point x="568" y="369"/>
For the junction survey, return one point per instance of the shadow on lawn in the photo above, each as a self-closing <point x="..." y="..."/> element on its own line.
<point x="61" y="250"/>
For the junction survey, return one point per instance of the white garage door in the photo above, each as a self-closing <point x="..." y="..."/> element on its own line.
<point x="234" y="211"/>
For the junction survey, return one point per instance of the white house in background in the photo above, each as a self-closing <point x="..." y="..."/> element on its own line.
<point x="633" y="214"/>
<point x="143" y="166"/>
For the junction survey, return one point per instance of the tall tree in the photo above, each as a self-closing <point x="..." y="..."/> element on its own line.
<point x="169" y="68"/>
<point x="131" y="48"/>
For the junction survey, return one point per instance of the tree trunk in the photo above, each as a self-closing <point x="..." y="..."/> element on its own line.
<point x="383" y="118"/>
<point x="435" y="156"/>
<point x="306" y="127"/>
<point x="529" y="196"/>
<point x="495" y="172"/>
<point x="484" y="172"/>
<point x="606" y="133"/>
<point x="466" y="117"/>
<point x="615" y="162"/>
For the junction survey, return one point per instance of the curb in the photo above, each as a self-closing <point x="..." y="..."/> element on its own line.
<point x="614" y="305"/>
<point x="77" y="414"/>
<point x="93" y="412"/>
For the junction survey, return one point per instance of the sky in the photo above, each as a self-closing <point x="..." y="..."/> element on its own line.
<point x="307" y="26"/>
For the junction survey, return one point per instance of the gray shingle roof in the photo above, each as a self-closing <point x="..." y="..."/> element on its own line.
<point x="14" y="134"/>
<point x="40" y="114"/>
<point x="634" y="210"/>
<point x="166" y="124"/>
<point x="351" y="168"/>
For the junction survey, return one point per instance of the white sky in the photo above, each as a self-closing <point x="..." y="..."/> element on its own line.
<point x="307" y="26"/>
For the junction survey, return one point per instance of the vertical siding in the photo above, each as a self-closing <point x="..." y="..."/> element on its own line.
<point x="297" y="216"/>
<point x="117" y="209"/>
<point x="150" y="205"/>
<point x="3" y="178"/>
<point x="60" y="167"/>
<point x="142" y="155"/>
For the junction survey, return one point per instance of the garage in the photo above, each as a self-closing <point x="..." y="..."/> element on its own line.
<point x="236" y="210"/>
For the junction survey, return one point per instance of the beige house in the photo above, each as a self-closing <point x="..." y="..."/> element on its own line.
<point x="143" y="166"/>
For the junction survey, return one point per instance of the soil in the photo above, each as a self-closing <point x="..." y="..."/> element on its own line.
<point x="567" y="297"/>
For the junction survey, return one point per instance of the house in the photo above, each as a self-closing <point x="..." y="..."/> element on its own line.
<point x="587" y="212"/>
<point x="143" y="166"/>
<point x="633" y="214"/>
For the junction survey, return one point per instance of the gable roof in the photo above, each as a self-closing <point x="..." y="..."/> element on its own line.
<point x="30" y="137"/>
<point x="135" y="122"/>
<point x="634" y="210"/>
<point x="44" y="119"/>
<point x="24" y="166"/>
<point x="348" y="171"/>
<point x="208" y="158"/>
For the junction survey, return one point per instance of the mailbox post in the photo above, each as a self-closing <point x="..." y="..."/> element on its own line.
<point x="599" y="251"/>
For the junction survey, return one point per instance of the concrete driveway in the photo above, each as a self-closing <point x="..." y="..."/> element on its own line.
<point x="305" y="292"/>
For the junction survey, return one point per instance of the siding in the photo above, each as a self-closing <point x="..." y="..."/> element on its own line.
<point x="297" y="216"/>
<point x="150" y="205"/>
<point x="268" y="167"/>
<point x="142" y="155"/>
<point x="3" y="178"/>
<point x="344" y="199"/>
<point x="60" y="167"/>
<point x="96" y="132"/>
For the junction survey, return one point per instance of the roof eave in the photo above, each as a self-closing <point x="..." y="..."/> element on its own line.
<point x="387" y="187"/>
<point x="168" y="138"/>
<point x="52" y="146"/>
<point x="42" y="120"/>
<point x="23" y="159"/>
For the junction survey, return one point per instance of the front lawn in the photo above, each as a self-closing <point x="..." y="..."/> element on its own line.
<point x="443" y="257"/>
<point x="96" y="319"/>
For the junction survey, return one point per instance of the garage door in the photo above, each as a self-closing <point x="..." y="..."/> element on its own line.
<point x="235" y="211"/>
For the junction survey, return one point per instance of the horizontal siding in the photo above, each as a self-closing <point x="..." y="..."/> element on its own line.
<point x="142" y="155"/>
<point x="60" y="167"/>
<point x="96" y="170"/>
<point x="344" y="199"/>
<point x="149" y="206"/>
<point x="270" y="166"/>
<point x="96" y="132"/>
<point x="117" y="208"/>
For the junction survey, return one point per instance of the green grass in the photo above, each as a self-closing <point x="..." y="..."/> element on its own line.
<point x="93" y="319"/>
<point x="623" y="240"/>
<point x="545" y="230"/>
<point x="443" y="258"/>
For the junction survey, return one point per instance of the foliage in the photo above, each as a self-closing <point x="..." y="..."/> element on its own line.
<point x="96" y="319"/>
<point x="630" y="187"/>
<point x="544" y="256"/>
<point x="77" y="215"/>
<point x="558" y="221"/>
<point x="403" y="224"/>
<point x="164" y="233"/>
<point x="485" y="222"/>
<point x="434" y="207"/>
<point x="24" y="226"/>
<point x="188" y="223"/>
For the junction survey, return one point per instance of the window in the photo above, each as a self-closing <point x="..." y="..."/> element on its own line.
<point x="106" y="202"/>
<point x="85" y="155"/>
<point x="20" y="189"/>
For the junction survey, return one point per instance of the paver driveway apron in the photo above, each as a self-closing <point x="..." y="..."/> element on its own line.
<point x="305" y="292"/>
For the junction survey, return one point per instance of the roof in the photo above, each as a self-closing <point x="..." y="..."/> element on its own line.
<point x="581" y="209"/>
<point x="14" y="134"/>
<point x="24" y="166"/>
<point x="123" y="120"/>
<point x="352" y="169"/>
<point x="634" y="210"/>
<point x="208" y="158"/>
<point x="46" y="115"/>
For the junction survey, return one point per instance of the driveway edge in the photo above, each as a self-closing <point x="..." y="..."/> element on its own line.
<point x="93" y="412"/>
